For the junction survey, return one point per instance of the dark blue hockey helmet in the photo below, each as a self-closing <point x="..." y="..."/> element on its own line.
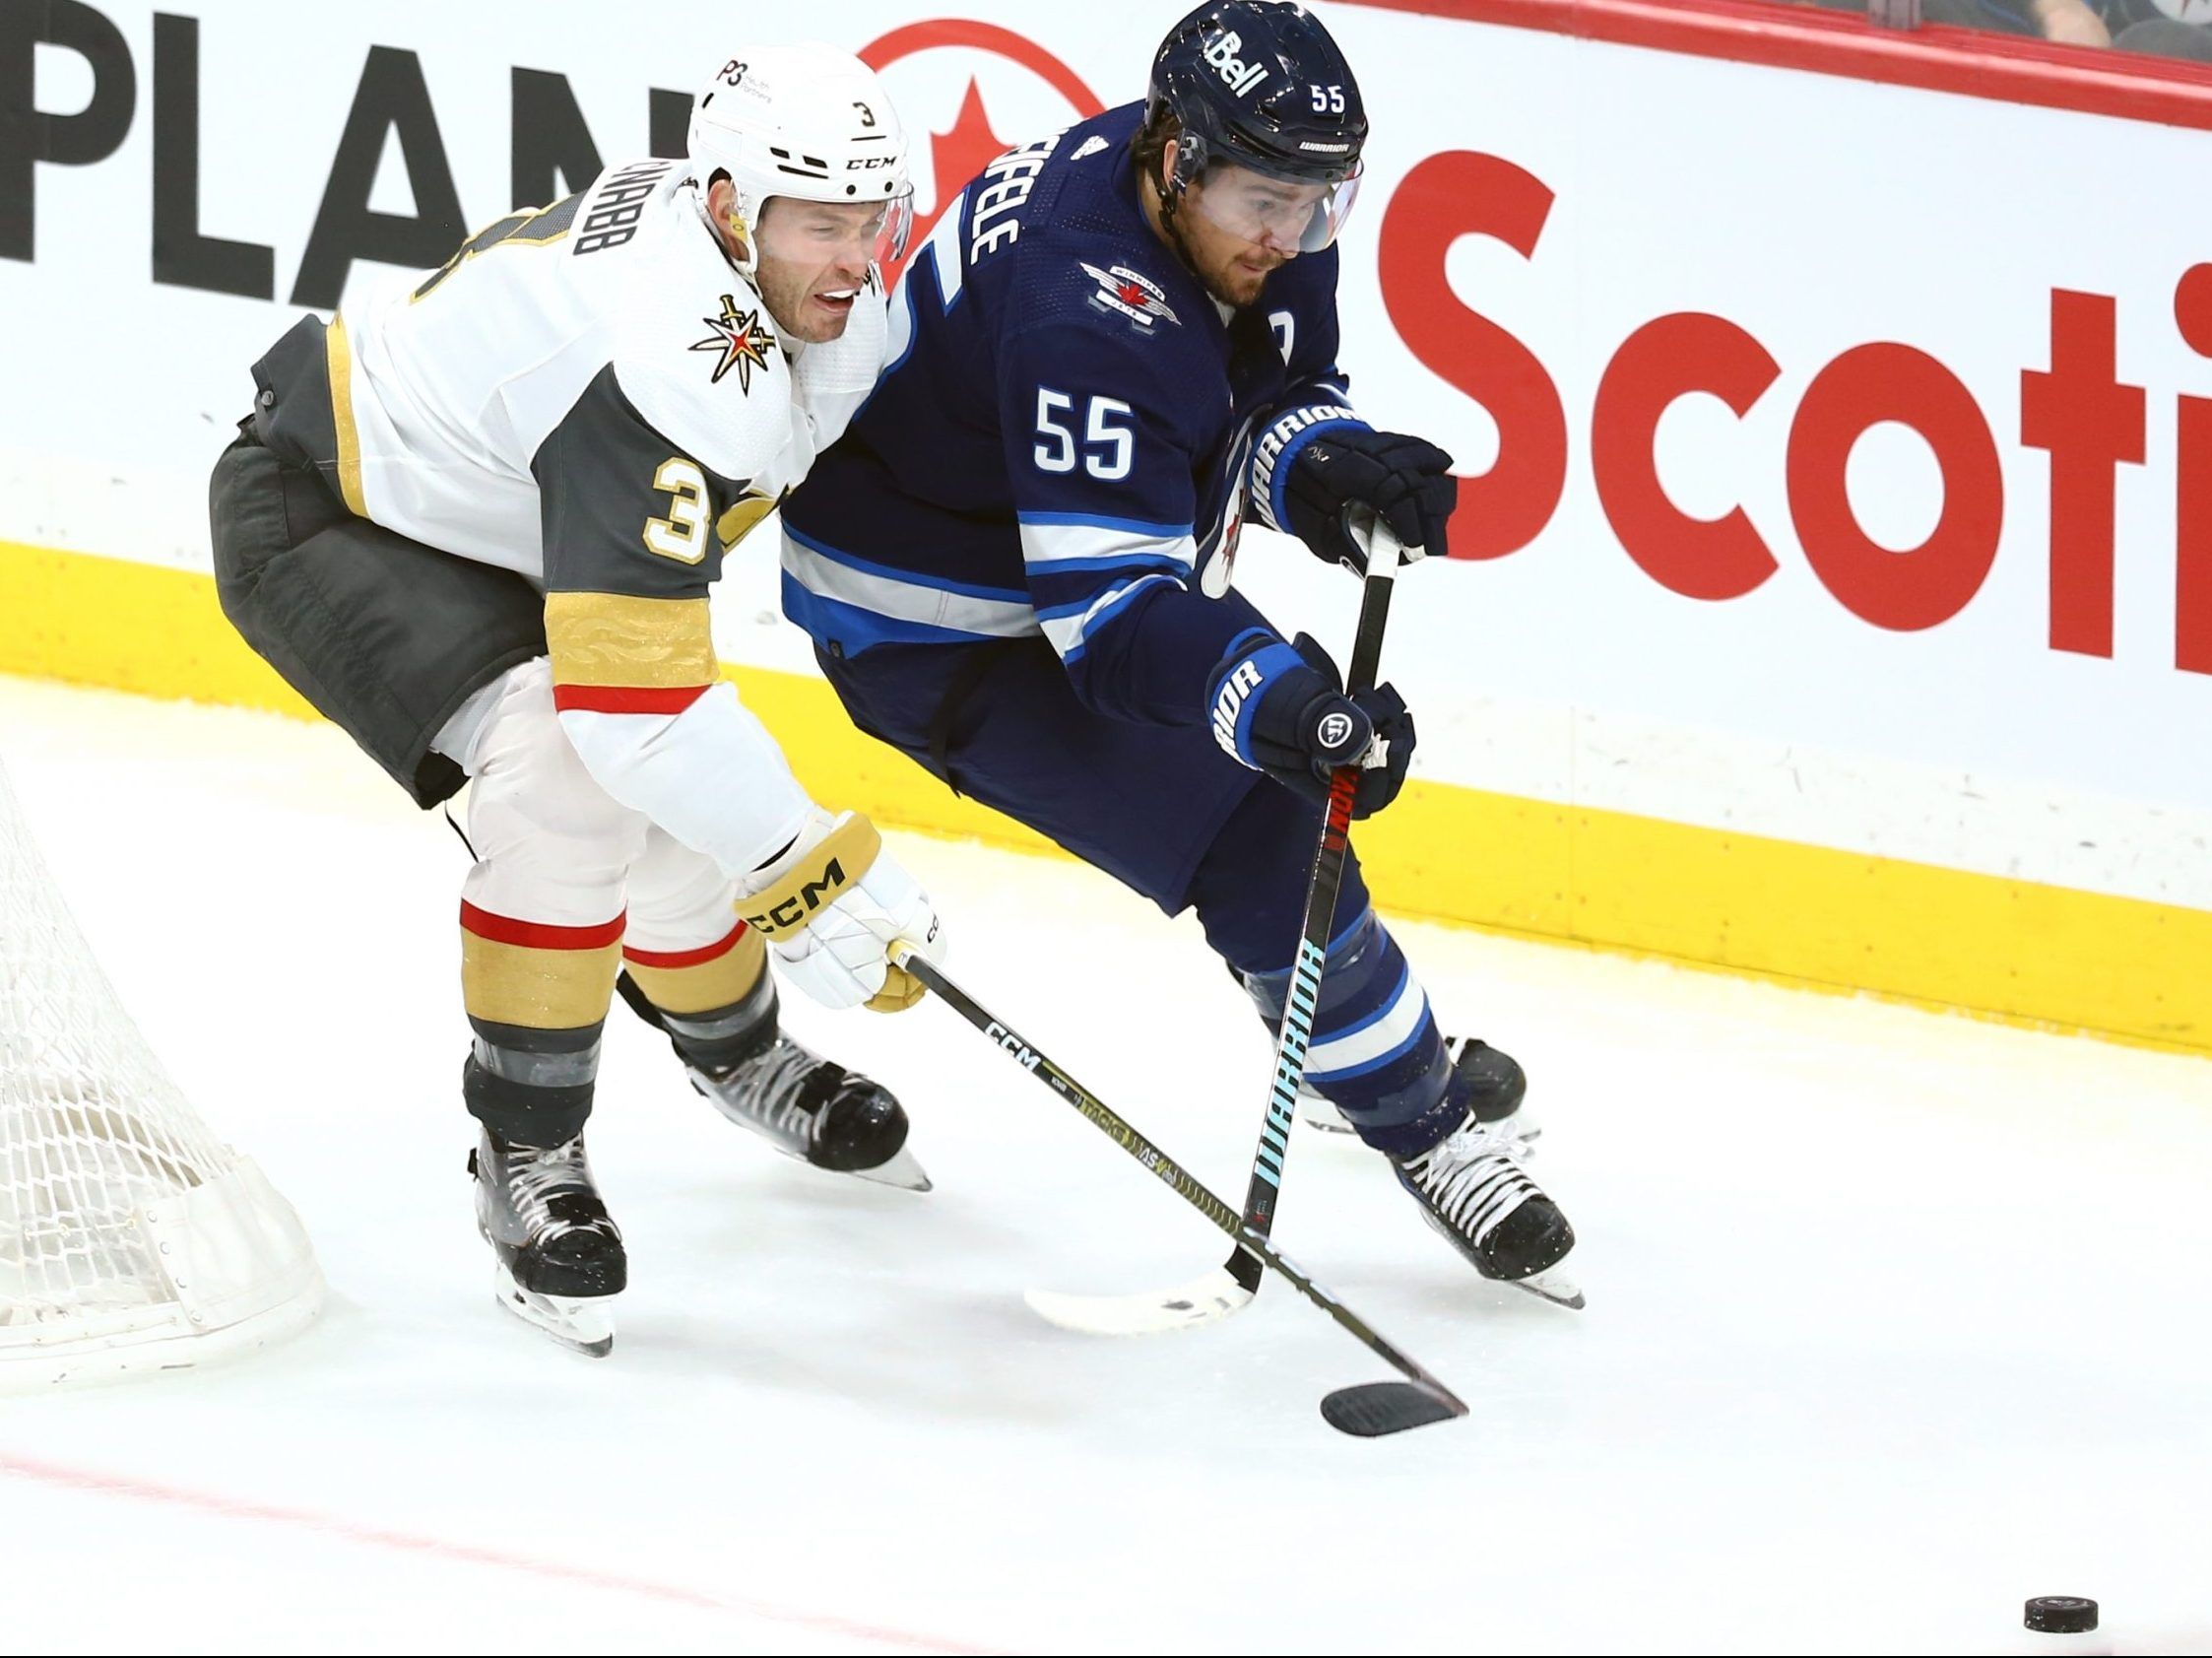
<point x="1260" y="85"/>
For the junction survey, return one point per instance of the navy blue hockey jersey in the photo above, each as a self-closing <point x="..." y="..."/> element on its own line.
<point x="1068" y="438"/>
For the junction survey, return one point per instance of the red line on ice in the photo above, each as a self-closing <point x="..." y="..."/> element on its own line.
<point x="209" y="1503"/>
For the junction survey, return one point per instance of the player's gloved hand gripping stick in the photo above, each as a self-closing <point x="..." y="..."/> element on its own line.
<point x="1231" y="1286"/>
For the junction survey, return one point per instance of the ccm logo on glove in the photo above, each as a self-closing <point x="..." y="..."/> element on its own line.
<point x="798" y="910"/>
<point x="832" y="906"/>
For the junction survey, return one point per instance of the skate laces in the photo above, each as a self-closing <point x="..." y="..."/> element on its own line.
<point x="772" y="1087"/>
<point x="1472" y="1177"/>
<point x="536" y="1175"/>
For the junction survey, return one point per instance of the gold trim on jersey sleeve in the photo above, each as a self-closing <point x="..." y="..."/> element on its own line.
<point x="615" y="640"/>
<point x="742" y="518"/>
<point x="339" y="355"/>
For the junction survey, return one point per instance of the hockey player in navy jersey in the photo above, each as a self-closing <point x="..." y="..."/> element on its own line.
<point x="1015" y="564"/>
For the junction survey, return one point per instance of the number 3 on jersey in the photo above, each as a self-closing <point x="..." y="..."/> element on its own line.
<point x="682" y="535"/>
<point x="1107" y="449"/>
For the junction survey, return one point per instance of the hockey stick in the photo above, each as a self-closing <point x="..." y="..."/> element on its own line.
<point x="1231" y="1286"/>
<point x="1366" y="1410"/>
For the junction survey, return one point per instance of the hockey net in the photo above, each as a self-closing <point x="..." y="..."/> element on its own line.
<point x="130" y="1237"/>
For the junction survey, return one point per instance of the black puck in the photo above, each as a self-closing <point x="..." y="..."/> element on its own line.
<point x="2061" y="1615"/>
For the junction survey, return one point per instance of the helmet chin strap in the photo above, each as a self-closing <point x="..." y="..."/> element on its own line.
<point x="1170" y="198"/>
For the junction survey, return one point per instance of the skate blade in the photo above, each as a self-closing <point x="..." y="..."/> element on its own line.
<point x="901" y="1171"/>
<point x="582" y="1324"/>
<point x="1551" y="1287"/>
<point x="1203" y="1301"/>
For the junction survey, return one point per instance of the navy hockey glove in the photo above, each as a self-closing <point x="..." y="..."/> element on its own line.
<point x="1281" y="710"/>
<point x="1406" y="481"/>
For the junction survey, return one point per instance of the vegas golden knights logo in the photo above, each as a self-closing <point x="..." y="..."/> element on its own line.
<point x="743" y="340"/>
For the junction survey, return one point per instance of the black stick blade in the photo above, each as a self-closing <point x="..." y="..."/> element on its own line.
<point x="1374" y="1408"/>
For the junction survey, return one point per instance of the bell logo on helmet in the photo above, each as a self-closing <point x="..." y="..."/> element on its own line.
<point x="1240" y="77"/>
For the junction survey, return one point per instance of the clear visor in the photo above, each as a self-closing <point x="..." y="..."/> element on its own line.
<point x="855" y="234"/>
<point x="1288" y="216"/>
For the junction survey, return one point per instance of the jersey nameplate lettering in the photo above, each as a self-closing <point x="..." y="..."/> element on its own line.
<point x="1004" y="188"/>
<point x="612" y="214"/>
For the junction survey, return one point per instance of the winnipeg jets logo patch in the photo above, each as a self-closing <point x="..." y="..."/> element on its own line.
<point x="743" y="340"/>
<point x="1135" y="295"/>
<point x="1088" y="147"/>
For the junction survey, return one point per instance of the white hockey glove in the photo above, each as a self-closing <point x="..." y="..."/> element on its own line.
<point x="832" y="905"/>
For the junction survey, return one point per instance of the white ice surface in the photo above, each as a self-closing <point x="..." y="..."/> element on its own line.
<point x="1894" y="1319"/>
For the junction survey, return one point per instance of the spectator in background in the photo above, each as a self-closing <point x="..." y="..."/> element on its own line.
<point x="2074" y="23"/>
<point x="2164" y="27"/>
<point x="2168" y="28"/>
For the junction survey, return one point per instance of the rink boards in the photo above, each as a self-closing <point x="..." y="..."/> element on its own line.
<point x="1835" y="600"/>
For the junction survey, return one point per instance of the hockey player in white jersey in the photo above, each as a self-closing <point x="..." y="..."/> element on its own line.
<point x="475" y="525"/>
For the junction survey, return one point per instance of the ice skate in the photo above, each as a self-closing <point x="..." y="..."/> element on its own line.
<point x="560" y="1257"/>
<point x="1472" y="1189"/>
<point x="815" y="1110"/>
<point x="805" y="1105"/>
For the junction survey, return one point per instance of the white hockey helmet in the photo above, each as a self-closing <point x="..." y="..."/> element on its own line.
<point x="808" y="122"/>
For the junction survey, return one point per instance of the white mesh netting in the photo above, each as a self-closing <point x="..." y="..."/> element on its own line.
<point x="130" y="1237"/>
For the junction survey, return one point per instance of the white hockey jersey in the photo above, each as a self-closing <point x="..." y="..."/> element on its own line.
<point x="591" y="395"/>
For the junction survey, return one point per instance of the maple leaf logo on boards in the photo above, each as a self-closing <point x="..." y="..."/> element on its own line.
<point x="741" y="338"/>
<point x="956" y="156"/>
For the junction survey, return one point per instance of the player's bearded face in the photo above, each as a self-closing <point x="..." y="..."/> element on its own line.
<point x="1236" y="228"/>
<point x="814" y="263"/>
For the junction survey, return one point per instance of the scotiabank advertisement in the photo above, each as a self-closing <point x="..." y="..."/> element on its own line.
<point x="1837" y="457"/>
